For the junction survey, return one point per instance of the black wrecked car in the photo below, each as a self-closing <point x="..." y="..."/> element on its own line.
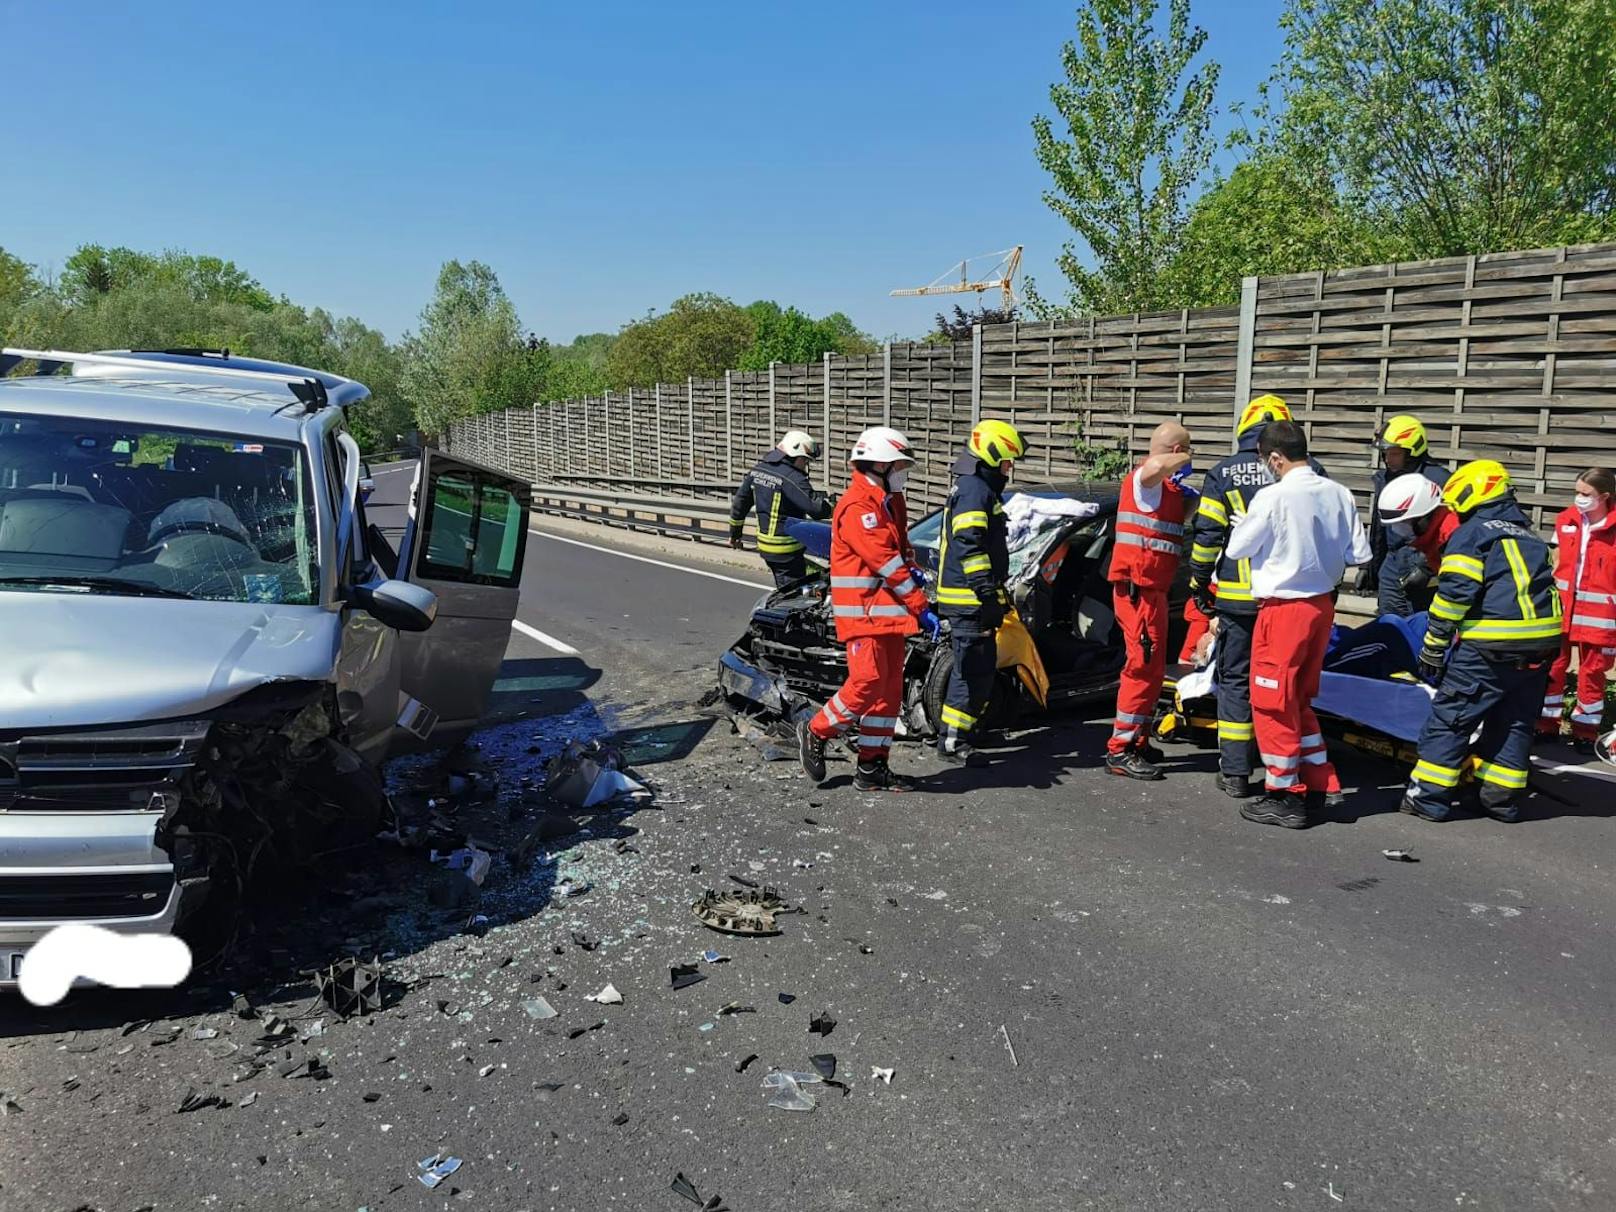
<point x="789" y="661"/>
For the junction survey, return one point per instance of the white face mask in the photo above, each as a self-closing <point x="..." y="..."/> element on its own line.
<point x="1586" y="502"/>
<point x="897" y="478"/>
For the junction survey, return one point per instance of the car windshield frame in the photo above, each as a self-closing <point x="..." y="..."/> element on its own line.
<point x="120" y="507"/>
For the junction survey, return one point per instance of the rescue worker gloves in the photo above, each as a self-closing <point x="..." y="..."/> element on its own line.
<point x="1261" y="411"/>
<point x="1474" y="485"/>
<point x="930" y="623"/>
<point x="1405" y="432"/>
<point x="799" y="445"/>
<point x="882" y="444"/>
<point x="1431" y="665"/>
<point x="996" y="442"/>
<point x="1201" y="594"/>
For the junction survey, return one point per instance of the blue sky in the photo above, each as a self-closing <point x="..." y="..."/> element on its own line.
<point x="604" y="159"/>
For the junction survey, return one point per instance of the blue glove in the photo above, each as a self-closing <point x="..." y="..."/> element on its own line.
<point x="930" y="623"/>
<point x="917" y="573"/>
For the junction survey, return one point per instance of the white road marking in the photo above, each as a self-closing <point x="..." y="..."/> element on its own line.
<point x="392" y="471"/>
<point x="695" y="572"/>
<point x="533" y="633"/>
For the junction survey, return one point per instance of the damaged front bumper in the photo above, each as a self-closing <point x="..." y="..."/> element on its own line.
<point x="740" y="679"/>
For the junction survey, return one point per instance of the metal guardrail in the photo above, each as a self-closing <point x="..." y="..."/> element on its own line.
<point x="682" y="517"/>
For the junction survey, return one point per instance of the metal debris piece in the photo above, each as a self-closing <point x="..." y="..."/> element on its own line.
<point x="538" y="1008"/>
<point x="609" y="996"/>
<point x="750" y="913"/>
<point x="351" y="986"/>
<point x="620" y="1119"/>
<point x="736" y="1008"/>
<point x="712" y="956"/>
<point x="434" y="1169"/>
<point x="879" y="1074"/>
<point x="824" y="1064"/>
<point x="486" y="1070"/>
<point x="683" y="976"/>
<point x="740" y="1066"/>
<point x="195" y="1102"/>
<point x="590" y="776"/>
<point x="1400" y="856"/>
<point x="743" y="881"/>
<point x="371" y="1096"/>
<point x="682" y="1187"/>
<point x="1009" y="1047"/>
<point x="821" y="1024"/>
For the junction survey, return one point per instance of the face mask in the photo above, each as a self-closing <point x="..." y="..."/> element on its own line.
<point x="1402" y="530"/>
<point x="1273" y="470"/>
<point x="1586" y="502"/>
<point x="1183" y="473"/>
<point x="897" y="478"/>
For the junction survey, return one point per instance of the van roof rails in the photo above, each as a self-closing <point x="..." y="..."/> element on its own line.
<point x="327" y="388"/>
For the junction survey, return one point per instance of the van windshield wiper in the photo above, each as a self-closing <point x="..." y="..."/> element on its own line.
<point x="142" y="589"/>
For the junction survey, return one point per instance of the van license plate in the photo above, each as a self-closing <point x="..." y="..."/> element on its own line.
<point x="14" y="964"/>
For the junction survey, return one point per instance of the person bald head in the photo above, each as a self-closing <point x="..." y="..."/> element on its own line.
<point x="1169" y="438"/>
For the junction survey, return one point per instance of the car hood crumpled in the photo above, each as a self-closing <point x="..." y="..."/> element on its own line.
<point x="81" y="660"/>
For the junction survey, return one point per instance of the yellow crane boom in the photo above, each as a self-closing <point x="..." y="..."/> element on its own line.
<point x="1006" y="265"/>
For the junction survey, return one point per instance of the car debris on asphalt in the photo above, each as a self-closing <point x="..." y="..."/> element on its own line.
<point x="351" y="986"/>
<point x="785" y="1090"/>
<point x="682" y="976"/>
<point x="745" y="913"/>
<point x="591" y="775"/>
<point x="434" y="1169"/>
<point x="609" y="996"/>
<point x="1400" y="856"/>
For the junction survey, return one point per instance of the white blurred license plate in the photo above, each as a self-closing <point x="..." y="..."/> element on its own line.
<point x="13" y="964"/>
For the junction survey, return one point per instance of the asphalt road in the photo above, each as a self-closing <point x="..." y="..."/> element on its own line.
<point x="1094" y="994"/>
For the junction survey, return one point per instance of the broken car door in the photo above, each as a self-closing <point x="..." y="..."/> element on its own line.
<point x="465" y="541"/>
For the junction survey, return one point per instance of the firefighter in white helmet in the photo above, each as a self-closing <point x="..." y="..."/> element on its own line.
<point x="779" y="487"/>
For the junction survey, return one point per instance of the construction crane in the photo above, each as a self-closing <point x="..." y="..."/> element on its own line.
<point x="1006" y="265"/>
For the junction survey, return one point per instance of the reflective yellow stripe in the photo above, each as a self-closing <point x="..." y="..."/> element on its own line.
<point x="1230" y="731"/>
<point x="1201" y="554"/>
<point x="1443" y="609"/>
<point x="1523" y="579"/>
<point x="977" y="563"/>
<point x="964" y="521"/>
<point x="1465" y="566"/>
<point x="1510" y="629"/>
<point x="956" y="718"/>
<point x="1500" y="776"/>
<point x="1441" y="776"/>
<point x="1237" y="499"/>
<point x="1214" y="510"/>
<point x="957" y="597"/>
<point x="1232" y="592"/>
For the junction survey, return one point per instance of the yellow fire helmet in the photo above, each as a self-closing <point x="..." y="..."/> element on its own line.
<point x="1261" y="411"/>
<point x="995" y="441"/>
<point x="1475" y="484"/>
<point x="1407" y="432"/>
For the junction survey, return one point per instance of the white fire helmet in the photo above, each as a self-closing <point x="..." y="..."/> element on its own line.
<point x="882" y="444"/>
<point x="1409" y="498"/>
<point x="799" y="445"/>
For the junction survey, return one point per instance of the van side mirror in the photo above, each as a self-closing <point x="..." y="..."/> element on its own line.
<point x="400" y="604"/>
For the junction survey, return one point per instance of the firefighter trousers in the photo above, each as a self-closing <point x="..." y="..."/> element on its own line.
<point x="1500" y="697"/>
<point x="970" y="687"/>
<point x="787" y="568"/>
<point x="1235" y="732"/>
<point x="871" y="697"/>
<point x="1142" y="616"/>
<point x="1588" y="706"/>
<point x="1287" y="656"/>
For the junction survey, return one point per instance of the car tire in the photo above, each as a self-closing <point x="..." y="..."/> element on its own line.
<point x="1004" y="708"/>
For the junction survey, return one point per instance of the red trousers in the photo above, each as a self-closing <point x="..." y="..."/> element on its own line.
<point x="1287" y="656"/>
<point x="1144" y="632"/>
<point x="871" y="696"/>
<point x="1593" y="663"/>
<point x="1199" y="626"/>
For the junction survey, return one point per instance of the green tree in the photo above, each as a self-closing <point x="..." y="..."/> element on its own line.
<point x="93" y="271"/>
<point x="17" y="285"/>
<point x="700" y="334"/>
<point x="788" y="335"/>
<point x="1137" y="142"/>
<point x="1271" y="215"/>
<point x="1464" y="125"/>
<point x="468" y="356"/>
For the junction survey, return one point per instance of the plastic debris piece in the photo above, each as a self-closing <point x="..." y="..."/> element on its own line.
<point x="713" y="956"/>
<point x="1009" y="1047"/>
<point x="751" y="913"/>
<point x="785" y="1090"/>
<point x="609" y="996"/>
<point x="351" y="986"/>
<point x="787" y="998"/>
<point x="824" y="1064"/>
<point x="538" y="1008"/>
<point x="685" y="975"/>
<point x="249" y="1100"/>
<point x="682" y="1187"/>
<point x="620" y="1119"/>
<point x="434" y="1169"/>
<point x="821" y="1024"/>
<point x="590" y="775"/>
<point x="204" y="1033"/>
<point x="743" y="881"/>
<point x="371" y="1096"/>
<point x="879" y="1074"/>
<point x="736" y="1008"/>
<point x="474" y="863"/>
<point x="741" y="1065"/>
<point x="1400" y="856"/>
<point x="195" y="1102"/>
<point x="486" y="1070"/>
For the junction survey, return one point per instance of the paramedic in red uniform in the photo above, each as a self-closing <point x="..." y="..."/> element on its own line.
<point x="1300" y="535"/>
<point x="877" y="601"/>
<point x="1150" y="539"/>
<point x="1585" y="574"/>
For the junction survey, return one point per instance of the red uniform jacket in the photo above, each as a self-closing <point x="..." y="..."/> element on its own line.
<point x="1148" y="544"/>
<point x="1587" y="579"/>
<point x="871" y="590"/>
<point x="1436" y="536"/>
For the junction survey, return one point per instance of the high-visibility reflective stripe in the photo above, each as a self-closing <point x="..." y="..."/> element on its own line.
<point x="1126" y="518"/>
<point x="1232" y="591"/>
<point x="1125" y="734"/>
<point x="904" y="587"/>
<point x="1128" y="718"/>
<point x="1588" y="620"/>
<point x="1317" y="758"/>
<point x="1551" y="713"/>
<point x="1465" y="566"/>
<point x="1243" y="581"/>
<point x="890" y="567"/>
<point x="1523" y="578"/>
<point x="874" y="723"/>
<point x="1312" y="741"/>
<point x="1443" y="609"/>
<point x="1553" y="700"/>
<point x="958" y="718"/>
<point x="855" y="582"/>
<point x="1589" y="714"/>
<point x="1202" y="554"/>
<point x="1595" y="598"/>
<point x="967" y="520"/>
<point x="1280" y="761"/>
<point x="838" y="708"/>
<point x="1214" y="510"/>
<point x="949" y="596"/>
<point x="1139" y="540"/>
<point x="872" y="612"/>
<point x="1510" y="629"/>
<point x="976" y="563"/>
<point x="1561" y="583"/>
<point x="1501" y="776"/>
<point x="998" y="507"/>
<point x="1279" y="782"/>
<point x="1440" y="776"/>
<point x="1230" y="731"/>
<point x="874" y="742"/>
<point x="778" y="546"/>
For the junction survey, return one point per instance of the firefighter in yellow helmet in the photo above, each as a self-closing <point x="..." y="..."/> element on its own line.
<point x="1398" y="575"/>
<point x="973" y="566"/>
<point x="1494" y="629"/>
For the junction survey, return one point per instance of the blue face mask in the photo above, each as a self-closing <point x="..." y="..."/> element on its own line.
<point x="1183" y="473"/>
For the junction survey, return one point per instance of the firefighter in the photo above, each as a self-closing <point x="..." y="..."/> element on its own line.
<point x="1411" y="510"/>
<point x="1222" y="587"/>
<point x="1585" y="575"/>
<point x="1404" y="450"/>
<point x="877" y="602"/>
<point x="1495" y="592"/>
<point x="1151" y="518"/>
<point x="973" y="566"/>
<point x="779" y="486"/>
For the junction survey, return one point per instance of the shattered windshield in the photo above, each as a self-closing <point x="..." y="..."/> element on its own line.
<point x="114" y="508"/>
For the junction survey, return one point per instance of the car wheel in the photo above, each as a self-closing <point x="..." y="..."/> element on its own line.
<point x="1004" y="706"/>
